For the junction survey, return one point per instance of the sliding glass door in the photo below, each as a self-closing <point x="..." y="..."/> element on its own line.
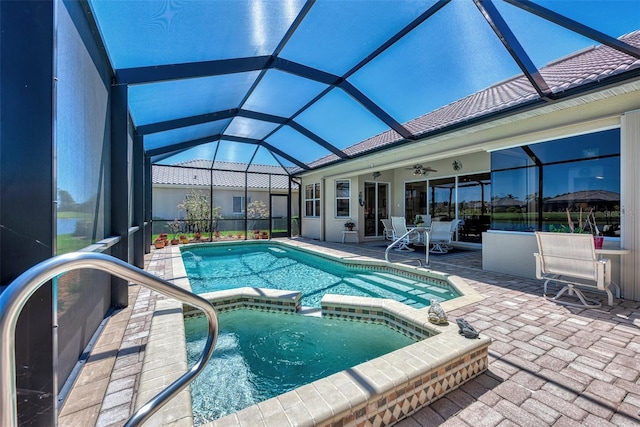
<point x="463" y="197"/>
<point x="415" y="200"/>
<point x="376" y="207"/>
<point x="474" y="206"/>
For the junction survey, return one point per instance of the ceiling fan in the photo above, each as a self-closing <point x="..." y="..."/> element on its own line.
<point x="421" y="170"/>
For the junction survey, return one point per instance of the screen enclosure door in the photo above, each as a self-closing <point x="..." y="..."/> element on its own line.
<point x="279" y="215"/>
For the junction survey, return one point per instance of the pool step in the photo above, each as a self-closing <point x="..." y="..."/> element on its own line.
<point x="438" y="290"/>
<point x="277" y="250"/>
<point x="310" y="311"/>
<point x="387" y="282"/>
<point x="423" y="291"/>
<point x="382" y="291"/>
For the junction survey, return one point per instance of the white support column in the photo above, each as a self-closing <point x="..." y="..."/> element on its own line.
<point x="630" y="208"/>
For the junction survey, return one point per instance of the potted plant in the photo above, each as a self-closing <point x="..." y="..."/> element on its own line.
<point x="349" y="225"/>
<point x="183" y="239"/>
<point x="588" y="226"/>
<point x="265" y="235"/>
<point x="419" y="221"/>
<point x="158" y="243"/>
<point x="598" y="239"/>
<point x="174" y="226"/>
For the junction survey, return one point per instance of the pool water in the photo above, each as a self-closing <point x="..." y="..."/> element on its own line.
<point x="220" y="267"/>
<point x="260" y="355"/>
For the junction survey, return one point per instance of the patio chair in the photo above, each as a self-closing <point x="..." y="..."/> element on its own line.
<point x="570" y="260"/>
<point x="399" y="225"/>
<point x="441" y="236"/>
<point x="388" y="229"/>
<point x="426" y="222"/>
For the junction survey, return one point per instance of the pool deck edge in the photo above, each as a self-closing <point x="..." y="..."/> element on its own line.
<point x="380" y="391"/>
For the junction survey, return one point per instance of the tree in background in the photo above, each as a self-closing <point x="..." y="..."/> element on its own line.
<point x="198" y="212"/>
<point x="257" y="210"/>
<point x="66" y="202"/>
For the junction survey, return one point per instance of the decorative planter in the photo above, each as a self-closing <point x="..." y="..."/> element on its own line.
<point x="175" y="242"/>
<point x="159" y="244"/>
<point x="598" y="241"/>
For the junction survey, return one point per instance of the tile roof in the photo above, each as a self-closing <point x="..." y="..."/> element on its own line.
<point x="587" y="66"/>
<point x="192" y="176"/>
<point x="233" y="166"/>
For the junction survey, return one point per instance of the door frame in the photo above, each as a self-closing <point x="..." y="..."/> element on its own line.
<point x="379" y="231"/>
<point x="286" y="233"/>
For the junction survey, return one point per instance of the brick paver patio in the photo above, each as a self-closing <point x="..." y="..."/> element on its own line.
<point x="550" y="365"/>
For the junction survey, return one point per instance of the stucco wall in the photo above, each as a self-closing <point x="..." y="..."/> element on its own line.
<point x="396" y="178"/>
<point x="166" y="200"/>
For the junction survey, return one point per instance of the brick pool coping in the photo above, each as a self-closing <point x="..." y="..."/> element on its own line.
<point x="378" y="392"/>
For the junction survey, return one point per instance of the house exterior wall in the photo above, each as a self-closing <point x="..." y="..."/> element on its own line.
<point x="396" y="177"/>
<point x="472" y="163"/>
<point x="472" y="146"/>
<point x="167" y="198"/>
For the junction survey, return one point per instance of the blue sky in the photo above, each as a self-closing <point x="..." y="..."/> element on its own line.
<point x="405" y="80"/>
<point x="450" y="56"/>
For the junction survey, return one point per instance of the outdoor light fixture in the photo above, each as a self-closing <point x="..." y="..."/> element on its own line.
<point x="360" y="199"/>
<point x="376" y="175"/>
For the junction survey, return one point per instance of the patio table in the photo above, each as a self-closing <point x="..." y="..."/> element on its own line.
<point x="613" y="251"/>
<point x="421" y="230"/>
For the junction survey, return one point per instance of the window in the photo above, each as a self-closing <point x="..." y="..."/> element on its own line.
<point x="442" y="199"/>
<point x="415" y="200"/>
<point x="474" y="195"/>
<point x="533" y="186"/>
<point x="343" y="199"/>
<point x="312" y="200"/>
<point x="238" y="204"/>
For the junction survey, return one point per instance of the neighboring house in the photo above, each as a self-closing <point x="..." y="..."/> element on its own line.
<point x="269" y="184"/>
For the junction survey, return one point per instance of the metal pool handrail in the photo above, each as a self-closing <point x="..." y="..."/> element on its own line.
<point x="15" y="296"/>
<point x="426" y="242"/>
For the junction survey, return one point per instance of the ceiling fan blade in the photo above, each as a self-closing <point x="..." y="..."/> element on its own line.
<point x="421" y="170"/>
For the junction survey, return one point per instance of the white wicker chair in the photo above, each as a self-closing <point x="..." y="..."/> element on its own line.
<point x="441" y="236"/>
<point x="570" y="260"/>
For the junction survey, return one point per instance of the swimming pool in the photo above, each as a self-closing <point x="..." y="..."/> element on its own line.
<point x="272" y="266"/>
<point x="254" y="363"/>
<point x="394" y="385"/>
